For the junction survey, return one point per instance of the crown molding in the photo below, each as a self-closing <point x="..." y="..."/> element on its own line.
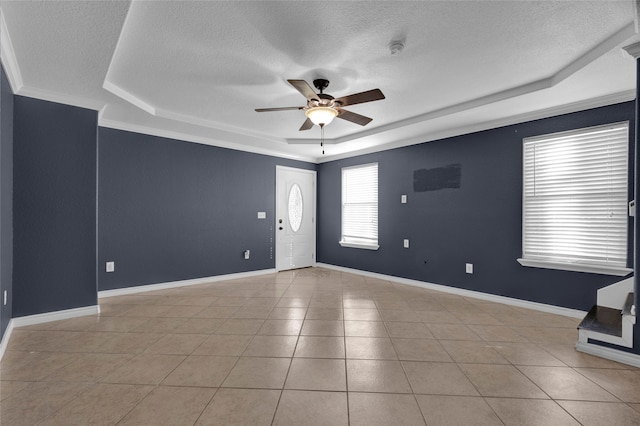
<point x="633" y="50"/>
<point x="202" y="122"/>
<point x="591" y="55"/>
<point x="507" y="121"/>
<point x="128" y="97"/>
<point x="8" y="56"/>
<point x="424" y="138"/>
<point x="136" y="128"/>
<point x="12" y="69"/>
<point x="183" y="118"/>
<point x="61" y="98"/>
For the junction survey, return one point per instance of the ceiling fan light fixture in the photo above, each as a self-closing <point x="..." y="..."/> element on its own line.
<point x="321" y="115"/>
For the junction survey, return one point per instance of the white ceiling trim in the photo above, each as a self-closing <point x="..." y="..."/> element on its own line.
<point x="12" y="70"/>
<point x="516" y="119"/>
<point x="213" y="125"/>
<point x="633" y="50"/>
<point x="574" y="66"/>
<point x="60" y="98"/>
<point x="163" y="113"/>
<point x="128" y="97"/>
<point x="610" y="43"/>
<point x="163" y="133"/>
<point x="8" y="57"/>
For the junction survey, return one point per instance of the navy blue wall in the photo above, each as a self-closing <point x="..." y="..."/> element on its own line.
<point x="54" y="202"/>
<point x="170" y="210"/>
<point x="480" y="222"/>
<point x="6" y="200"/>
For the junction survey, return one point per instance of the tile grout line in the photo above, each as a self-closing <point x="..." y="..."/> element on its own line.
<point x="344" y="342"/>
<point x="404" y="371"/>
<point x="275" y="410"/>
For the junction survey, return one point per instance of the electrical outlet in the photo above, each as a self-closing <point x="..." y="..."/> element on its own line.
<point x="406" y="243"/>
<point x="111" y="266"/>
<point x="247" y="253"/>
<point x="469" y="268"/>
<point x="403" y="199"/>
<point x="262" y="215"/>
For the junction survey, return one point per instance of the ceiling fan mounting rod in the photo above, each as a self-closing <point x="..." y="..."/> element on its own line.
<point x="321" y="84"/>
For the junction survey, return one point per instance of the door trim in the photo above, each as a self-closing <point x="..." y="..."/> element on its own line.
<point x="315" y="211"/>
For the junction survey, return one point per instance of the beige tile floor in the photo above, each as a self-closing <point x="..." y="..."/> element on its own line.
<point x="310" y="347"/>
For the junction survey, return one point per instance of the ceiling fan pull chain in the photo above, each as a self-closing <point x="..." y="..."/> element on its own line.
<point x="322" y="137"/>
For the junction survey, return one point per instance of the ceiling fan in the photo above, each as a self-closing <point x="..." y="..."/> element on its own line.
<point x="322" y="108"/>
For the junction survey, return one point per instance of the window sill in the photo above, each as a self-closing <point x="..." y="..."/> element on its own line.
<point x="576" y="267"/>
<point x="359" y="245"/>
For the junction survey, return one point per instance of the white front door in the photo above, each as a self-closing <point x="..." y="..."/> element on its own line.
<point x="295" y="218"/>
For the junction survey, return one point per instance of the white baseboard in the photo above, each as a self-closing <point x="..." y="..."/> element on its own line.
<point x="182" y="283"/>
<point x="42" y="318"/>
<point x="55" y="316"/>
<point x="558" y="310"/>
<point x="609" y="353"/>
<point x="5" y="338"/>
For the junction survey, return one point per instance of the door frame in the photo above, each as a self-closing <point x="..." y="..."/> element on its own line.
<point x="314" y="211"/>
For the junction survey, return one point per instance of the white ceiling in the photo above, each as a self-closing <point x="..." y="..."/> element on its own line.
<point x="196" y="70"/>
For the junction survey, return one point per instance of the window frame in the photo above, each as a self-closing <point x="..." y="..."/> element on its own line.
<point x="361" y="244"/>
<point x="575" y="264"/>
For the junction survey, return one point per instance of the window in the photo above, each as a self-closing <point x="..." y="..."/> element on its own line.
<point x="575" y="200"/>
<point x="296" y="207"/>
<point x="360" y="207"/>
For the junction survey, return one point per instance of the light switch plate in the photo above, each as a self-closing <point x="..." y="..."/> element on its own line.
<point x="403" y="199"/>
<point x="406" y="243"/>
<point x="262" y="215"/>
<point x="469" y="268"/>
<point x="111" y="266"/>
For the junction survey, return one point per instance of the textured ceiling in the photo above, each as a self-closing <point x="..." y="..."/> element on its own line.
<point x="197" y="70"/>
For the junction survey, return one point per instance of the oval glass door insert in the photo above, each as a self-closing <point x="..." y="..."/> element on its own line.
<point x="295" y="207"/>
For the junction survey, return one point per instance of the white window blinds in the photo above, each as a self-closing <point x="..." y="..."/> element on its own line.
<point x="360" y="206"/>
<point x="575" y="197"/>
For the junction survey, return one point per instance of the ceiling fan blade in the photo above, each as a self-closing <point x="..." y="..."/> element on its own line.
<point x="362" y="97"/>
<point x="304" y="88"/>
<point x="306" y="125"/>
<point x="278" y="109"/>
<point x="353" y="117"/>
